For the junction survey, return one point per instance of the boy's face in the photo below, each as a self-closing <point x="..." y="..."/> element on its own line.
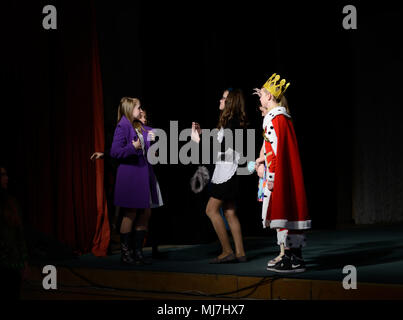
<point x="264" y="98"/>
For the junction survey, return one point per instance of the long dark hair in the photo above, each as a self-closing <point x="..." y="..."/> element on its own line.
<point x="234" y="110"/>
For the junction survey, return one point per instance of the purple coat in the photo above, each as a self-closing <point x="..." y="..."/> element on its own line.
<point x="135" y="178"/>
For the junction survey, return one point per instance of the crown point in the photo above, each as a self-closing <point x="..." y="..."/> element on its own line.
<point x="276" y="89"/>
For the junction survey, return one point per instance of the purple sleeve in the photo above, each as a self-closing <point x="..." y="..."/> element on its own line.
<point x="121" y="146"/>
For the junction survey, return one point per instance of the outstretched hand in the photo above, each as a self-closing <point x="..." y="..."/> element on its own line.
<point x="97" y="155"/>
<point x="197" y="127"/>
<point x="196" y="131"/>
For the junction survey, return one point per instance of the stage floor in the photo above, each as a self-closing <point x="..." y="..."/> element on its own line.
<point x="376" y="252"/>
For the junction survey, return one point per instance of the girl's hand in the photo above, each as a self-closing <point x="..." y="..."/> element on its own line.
<point x="97" y="155"/>
<point x="195" y="132"/>
<point x="196" y="127"/>
<point x="136" y="144"/>
<point x="270" y="185"/>
<point x="151" y="136"/>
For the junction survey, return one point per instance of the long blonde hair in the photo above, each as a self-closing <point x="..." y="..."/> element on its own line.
<point x="126" y="107"/>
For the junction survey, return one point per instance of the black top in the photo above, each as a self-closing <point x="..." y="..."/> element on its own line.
<point x="233" y="124"/>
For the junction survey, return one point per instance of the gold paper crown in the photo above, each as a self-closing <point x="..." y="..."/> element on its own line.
<point x="275" y="89"/>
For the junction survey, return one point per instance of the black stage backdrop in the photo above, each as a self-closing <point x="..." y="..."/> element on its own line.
<point x="178" y="57"/>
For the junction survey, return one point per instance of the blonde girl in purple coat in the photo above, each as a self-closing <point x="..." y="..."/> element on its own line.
<point x="136" y="186"/>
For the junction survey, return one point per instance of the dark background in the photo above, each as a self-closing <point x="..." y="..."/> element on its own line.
<point x="178" y="58"/>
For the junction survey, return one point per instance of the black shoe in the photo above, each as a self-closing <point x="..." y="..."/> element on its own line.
<point x="288" y="264"/>
<point x="140" y="259"/>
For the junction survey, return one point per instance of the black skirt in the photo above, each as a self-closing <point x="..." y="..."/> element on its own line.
<point x="227" y="191"/>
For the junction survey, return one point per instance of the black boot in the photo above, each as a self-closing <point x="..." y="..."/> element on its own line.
<point x="126" y="254"/>
<point x="138" y="252"/>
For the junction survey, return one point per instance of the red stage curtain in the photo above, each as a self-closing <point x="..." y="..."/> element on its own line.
<point x="56" y="122"/>
<point x="102" y="231"/>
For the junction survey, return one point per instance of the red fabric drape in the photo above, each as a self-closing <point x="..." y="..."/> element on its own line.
<point x="56" y="122"/>
<point x="102" y="232"/>
<point x="84" y="223"/>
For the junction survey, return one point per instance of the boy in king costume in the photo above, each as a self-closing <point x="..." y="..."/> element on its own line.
<point x="284" y="199"/>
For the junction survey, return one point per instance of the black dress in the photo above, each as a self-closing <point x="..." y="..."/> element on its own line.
<point x="228" y="190"/>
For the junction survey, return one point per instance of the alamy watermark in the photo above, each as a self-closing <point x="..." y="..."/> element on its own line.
<point x="210" y="145"/>
<point x="350" y="280"/>
<point x="50" y="20"/>
<point x="50" y="280"/>
<point x="350" y="20"/>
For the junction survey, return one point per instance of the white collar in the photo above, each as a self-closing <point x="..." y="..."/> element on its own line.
<point x="273" y="113"/>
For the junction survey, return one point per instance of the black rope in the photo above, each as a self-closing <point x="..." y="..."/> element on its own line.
<point x="94" y="285"/>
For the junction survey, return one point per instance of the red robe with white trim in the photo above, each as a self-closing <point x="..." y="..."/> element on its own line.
<point x="288" y="205"/>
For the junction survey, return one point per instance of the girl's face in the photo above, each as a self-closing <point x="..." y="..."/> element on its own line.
<point x="143" y="118"/>
<point x="222" y="100"/>
<point x="136" y="111"/>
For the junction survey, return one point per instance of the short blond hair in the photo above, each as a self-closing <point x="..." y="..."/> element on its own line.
<point x="282" y="101"/>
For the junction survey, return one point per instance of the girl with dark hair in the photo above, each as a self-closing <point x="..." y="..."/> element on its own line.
<point x="224" y="182"/>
